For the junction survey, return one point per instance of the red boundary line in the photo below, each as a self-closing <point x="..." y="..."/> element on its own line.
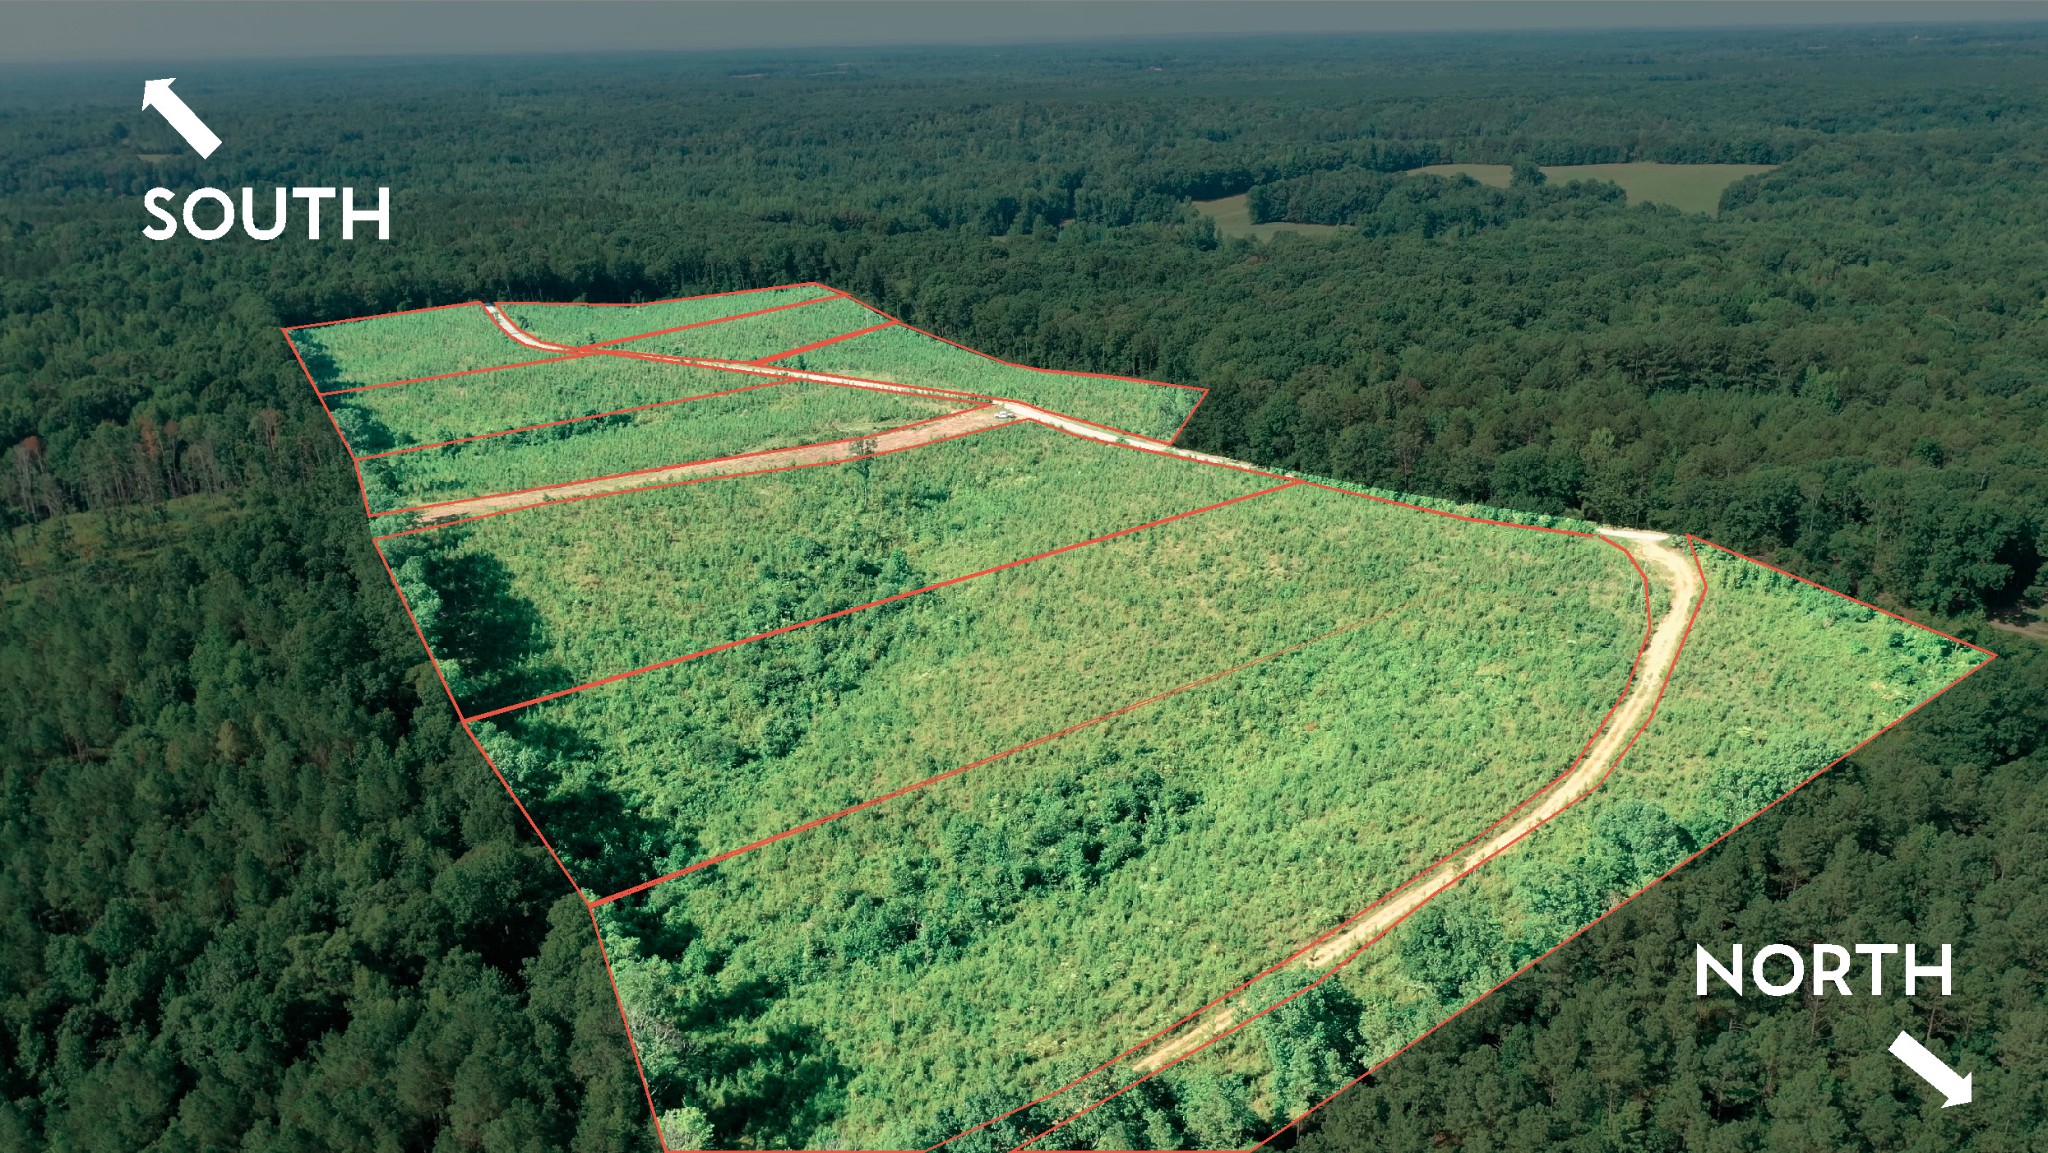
<point x="1844" y="596"/>
<point x="1662" y="877"/>
<point x="374" y="316"/>
<point x="822" y="343"/>
<point x="666" y="299"/>
<point x="855" y="381"/>
<point x="1627" y="683"/>
<point x="993" y="757"/>
<point x="831" y="293"/>
<point x="569" y="420"/>
<point x="835" y="294"/>
<point x="464" y="372"/>
<point x="1014" y="364"/>
<point x="687" y="480"/>
<point x="947" y="583"/>
<point x="1445" y="887"/>
<point x="1693" y="540"/>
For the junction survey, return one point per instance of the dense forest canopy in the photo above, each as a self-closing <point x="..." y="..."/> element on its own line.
<point x="254" y="880"/>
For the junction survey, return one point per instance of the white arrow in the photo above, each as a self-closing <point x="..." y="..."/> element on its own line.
<point x="1933" y="1071"/>
<point x="158" y="94"/>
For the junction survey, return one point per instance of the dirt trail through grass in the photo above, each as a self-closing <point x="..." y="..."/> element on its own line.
<point x="1682" y="581"/>
<point x="892" y="440"/>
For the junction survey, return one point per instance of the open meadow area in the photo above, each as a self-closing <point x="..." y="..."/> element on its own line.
<point x="1686" y="187"/>
<point x="614" y="676"/>
<point x="973" y="781"/>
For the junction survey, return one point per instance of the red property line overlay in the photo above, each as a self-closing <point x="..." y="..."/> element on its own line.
<point x="712" y="362"/>
<point x="1692" y="542"/>
<point x="833" y="294"/>
<point x="993" y="757"/>
<point x="947" y="583"/>
<point x="1355" y="953"/>
<point x="1815" y="775"/>
<point x="597" y="930"/>
<point x="823" y="343"/>
<point x="570" y="420"/>
<point x="545" y="503"/>
<point x="571" y="352"/>
<point x="1627" y="684"/>
<point x="1058" y="372"/>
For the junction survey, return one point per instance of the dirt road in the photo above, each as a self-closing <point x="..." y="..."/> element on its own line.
<point x="1675" y="572"/>
<point x="891" y="440"/>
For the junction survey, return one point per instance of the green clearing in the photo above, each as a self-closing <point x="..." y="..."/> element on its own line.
<point x="597" y="323"/>
<point x="902" y="355"/>
<point x="729" y="750"/>
<point x="754" y="337"/>
<point x="777" y="416"/>
<point x="602" y="586"/>
<point x="1777" y="680"/>
<point x="1233" y="217"/>
<point x="407" y="346"/>
<point x="975" y="940"/>
<point x="1686" y="187"/>
<point x="435" y="411"/>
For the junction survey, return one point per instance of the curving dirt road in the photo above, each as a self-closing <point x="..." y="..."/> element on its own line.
<point x="1681" y="580"/>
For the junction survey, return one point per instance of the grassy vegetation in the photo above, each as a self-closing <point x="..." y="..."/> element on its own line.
<point x="608" y="585"/>
<point x="1686" y="187"/>
<point x="1233" y="218"/>
<point x="1778" y="680"/>
<point x="906" y="356"/>
<point x="753" y="337"/>
<point x="778" y="416"/>
<point x="435" y="411"/>
<point x="406" y="346"/>
<point x="973" y="942"/>
<point x="595" y="323"/>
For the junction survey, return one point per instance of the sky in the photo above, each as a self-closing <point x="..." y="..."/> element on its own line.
<point x="118" y="31"/>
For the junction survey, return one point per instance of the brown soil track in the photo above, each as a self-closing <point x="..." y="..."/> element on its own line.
<point x="1654" y="668"/>
<point x="891" y="440"/>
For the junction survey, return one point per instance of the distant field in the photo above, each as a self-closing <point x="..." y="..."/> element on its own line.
<point x="595" y="323"/>
<point x="1233" y="217"/>
<point x="1687" y="187"/>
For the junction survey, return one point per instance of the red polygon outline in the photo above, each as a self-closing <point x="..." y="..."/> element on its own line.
<point x="1692" y="542"/>
<point x="663" y="300"/>
<point x="375" y="316"/>
<point x="1391" y="893"/>
<point x="1627" y="684"/>
<point x="833" y="294"/>
<point x="934" y="586"/>
<point x="896" y="386"/>
<point x="570" y="420"/>
<point x="894" y="320"/>
<point x="692" y="479"/>
<point x="829" y="294"/>
<point x="452" y="375"/>
<point x="363" y="491"/>
<point x="822" y="343"/>
<point x="1666" y="874"/>
<point x="993" y="757"/>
